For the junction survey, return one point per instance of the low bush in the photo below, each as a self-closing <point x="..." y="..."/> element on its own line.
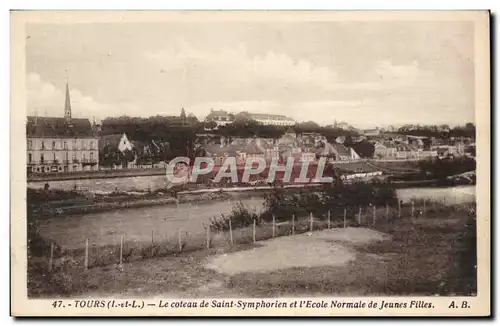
<point x="240" y="216"/>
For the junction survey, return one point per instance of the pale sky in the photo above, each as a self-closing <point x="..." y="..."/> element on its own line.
<point x="367" y="74"/>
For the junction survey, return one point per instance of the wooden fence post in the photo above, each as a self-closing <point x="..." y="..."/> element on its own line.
<point x="208" y="237"/>
<point x="152" y="242"/>
<point x="97" y="256"/>
<point x="293" y="224"/>
<point x="274" y="226"/>
<point x="329" y="217"/>
<point x="399" y="208"/>
<point x="51" y="256"/>
<point x="345" y="217"/>
<point x="86" y="262"/>
<point x="359" y="216"/>
<point x="254" y="222"/>
<point x="374" y="215"/>
<point x="311" y="222"/>
<point x="230" y="231"/>
<point x="121" y="250"/>
<point x="180" y="239"/>
<point x="412" y="209"/>
<point x="387" y="211"/>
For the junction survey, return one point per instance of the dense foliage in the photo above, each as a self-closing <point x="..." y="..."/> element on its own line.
<point x="442" y="168"/>
<point x="442" y="131"/>
<point x="364" y="148"/>
<point x="333" y="199"/>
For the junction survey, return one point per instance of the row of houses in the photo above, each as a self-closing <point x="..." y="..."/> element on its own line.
<point x="304" y="148"/>
<point x="417" y="150"/>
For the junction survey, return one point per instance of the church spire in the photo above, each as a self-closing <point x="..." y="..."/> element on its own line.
<point x="67" y="105"/>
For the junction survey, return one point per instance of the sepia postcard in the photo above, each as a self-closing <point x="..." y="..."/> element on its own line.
<point x="250" y="163"/>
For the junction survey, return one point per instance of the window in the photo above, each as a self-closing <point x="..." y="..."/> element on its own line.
<point x="67" y="157"/>
<point x="91" y="156"/>
<point x="30" y="144"/>
<point x="83" y="144"/>
<point x="54" y="157"/>
<point x="65" y="145"/>
<point x="53" y="145"/>
<point x="41" y="157"/>
<point x="30" y="157"/>
<point x="75" y="144"/>
<point x="91" y="145"/>
<point x="43" y="145"/>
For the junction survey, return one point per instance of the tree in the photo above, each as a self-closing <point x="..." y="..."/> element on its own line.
<point x="126" y="157"/>
<point x="308" y="126"/>
<point x="109" y="156"/>
<point x="210" y="125"/>
<point x="364" y="148"/>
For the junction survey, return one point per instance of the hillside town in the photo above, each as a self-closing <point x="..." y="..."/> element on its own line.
<point x="65" y="144"/>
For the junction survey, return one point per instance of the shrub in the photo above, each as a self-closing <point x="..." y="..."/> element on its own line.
<point x="240" y="216"/>
<point x="319" y="202"/>
<point x="37" y="245"/>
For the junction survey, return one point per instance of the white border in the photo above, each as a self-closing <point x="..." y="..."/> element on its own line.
<point x="256" y="4"/>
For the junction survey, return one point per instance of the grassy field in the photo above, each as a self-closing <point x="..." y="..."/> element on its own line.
<point x="430" y="254"/>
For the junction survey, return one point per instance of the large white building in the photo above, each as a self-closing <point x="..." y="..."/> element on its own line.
<point x="223" y="118"/>
<point x="57" y="144"/>
<point x="272" y="119"/>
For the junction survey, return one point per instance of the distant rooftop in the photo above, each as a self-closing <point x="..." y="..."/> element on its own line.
<point x="58" y="127"/>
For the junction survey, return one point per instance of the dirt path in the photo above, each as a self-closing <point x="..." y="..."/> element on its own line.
<point x="320" y="248"/>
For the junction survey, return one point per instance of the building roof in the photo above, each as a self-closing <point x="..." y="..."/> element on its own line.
<point x="371" y="131"/>
<point x="264" y="143"/>
<point x="287" y="138"/>
<point x="58" y="128"/>
<point x="217" y="113"/>
<point x="233" y="149"/>
<point x="337" y="148"/>
<point x="217" y="150"/>
<point x="252" y="148"/>
<point x="341" y="149"/>
<point x="239" y="142"/>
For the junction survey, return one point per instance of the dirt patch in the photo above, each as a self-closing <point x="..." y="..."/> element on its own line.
<point x="356" y="236"/>
<point x="314" y="249"/>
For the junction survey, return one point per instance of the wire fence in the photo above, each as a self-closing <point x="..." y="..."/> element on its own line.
<point x="175" y="242"/>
